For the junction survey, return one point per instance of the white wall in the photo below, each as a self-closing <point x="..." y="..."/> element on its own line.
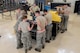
<point x="72" y="4"/>
<point x="58" y="0"/>
<point x="70" y="1"/>
<point x="31" y="1"/>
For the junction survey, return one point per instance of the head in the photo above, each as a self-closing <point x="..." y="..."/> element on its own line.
<point x="37" y="13"/>
<point x="23" y="12"/>
<point x="45" y="11"/>
<point x="34" y="4"/>
<point x="24" y="18"/>
<point x="60" y="6"/>
<point x="19" y="9"/>
<point x="65" y="6"/>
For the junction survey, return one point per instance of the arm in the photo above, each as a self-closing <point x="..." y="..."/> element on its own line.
<point x="19" y="28"/>
<point x="46" y="20"/>
<point x="30" y="28"/>
<point x="38" y="22"/>
<point x="38" y="9"/>
<point x="16" y="16"/>
<point x="30" y="8"/>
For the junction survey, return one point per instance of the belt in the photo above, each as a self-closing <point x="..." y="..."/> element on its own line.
<point x="41" y="30"/>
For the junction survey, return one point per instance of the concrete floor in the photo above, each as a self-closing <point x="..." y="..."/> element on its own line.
<point x="68" y="42"/>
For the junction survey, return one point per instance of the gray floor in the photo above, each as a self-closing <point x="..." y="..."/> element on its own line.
<point x="68" y="42"/>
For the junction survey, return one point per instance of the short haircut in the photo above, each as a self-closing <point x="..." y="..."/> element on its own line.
<point x="37" y="12"/>
<point x="24" y="17"/>
<point x="19" y="8"/>
<point x="35" y="3"/>
<point x="45" y="10"/>
<point x="23" y="12"/>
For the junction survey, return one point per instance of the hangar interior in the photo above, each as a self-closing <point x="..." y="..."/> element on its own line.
<point x="68" y="42"/>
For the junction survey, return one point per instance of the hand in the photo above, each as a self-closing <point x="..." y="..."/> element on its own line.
<point x="41" y="31"/>
<point x="32" y="22"/>
<point x="35" y="22"/>
<point x="31" y="11"/>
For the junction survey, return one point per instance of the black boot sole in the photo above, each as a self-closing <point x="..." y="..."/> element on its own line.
<point x="37" y="50"/>
<point x="25" y="50"/>
<point x="47" y="41"/>
<point x="30" y="48"/>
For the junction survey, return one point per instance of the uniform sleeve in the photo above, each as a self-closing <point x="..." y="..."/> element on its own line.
<point x="19" y="25"/>
<point x="46" y="17"/>
<point x="38" y="8"/>
<point x="45" y="21"/>
<point x="28" y="24"/>
<point x="31" y="7"/>
<point x="37" y="19"/>
<point x="16" y="16"/>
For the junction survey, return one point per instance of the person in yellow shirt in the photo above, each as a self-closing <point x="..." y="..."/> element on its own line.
<point x="55" y="20"/>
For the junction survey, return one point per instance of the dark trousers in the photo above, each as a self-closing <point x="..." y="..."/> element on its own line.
<point x="54" y="29"/>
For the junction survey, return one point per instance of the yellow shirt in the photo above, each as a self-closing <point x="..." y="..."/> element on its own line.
<point x="55" y="16"/>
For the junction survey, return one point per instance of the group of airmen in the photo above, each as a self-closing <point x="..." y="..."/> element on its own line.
<point x="23" y="28"/>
